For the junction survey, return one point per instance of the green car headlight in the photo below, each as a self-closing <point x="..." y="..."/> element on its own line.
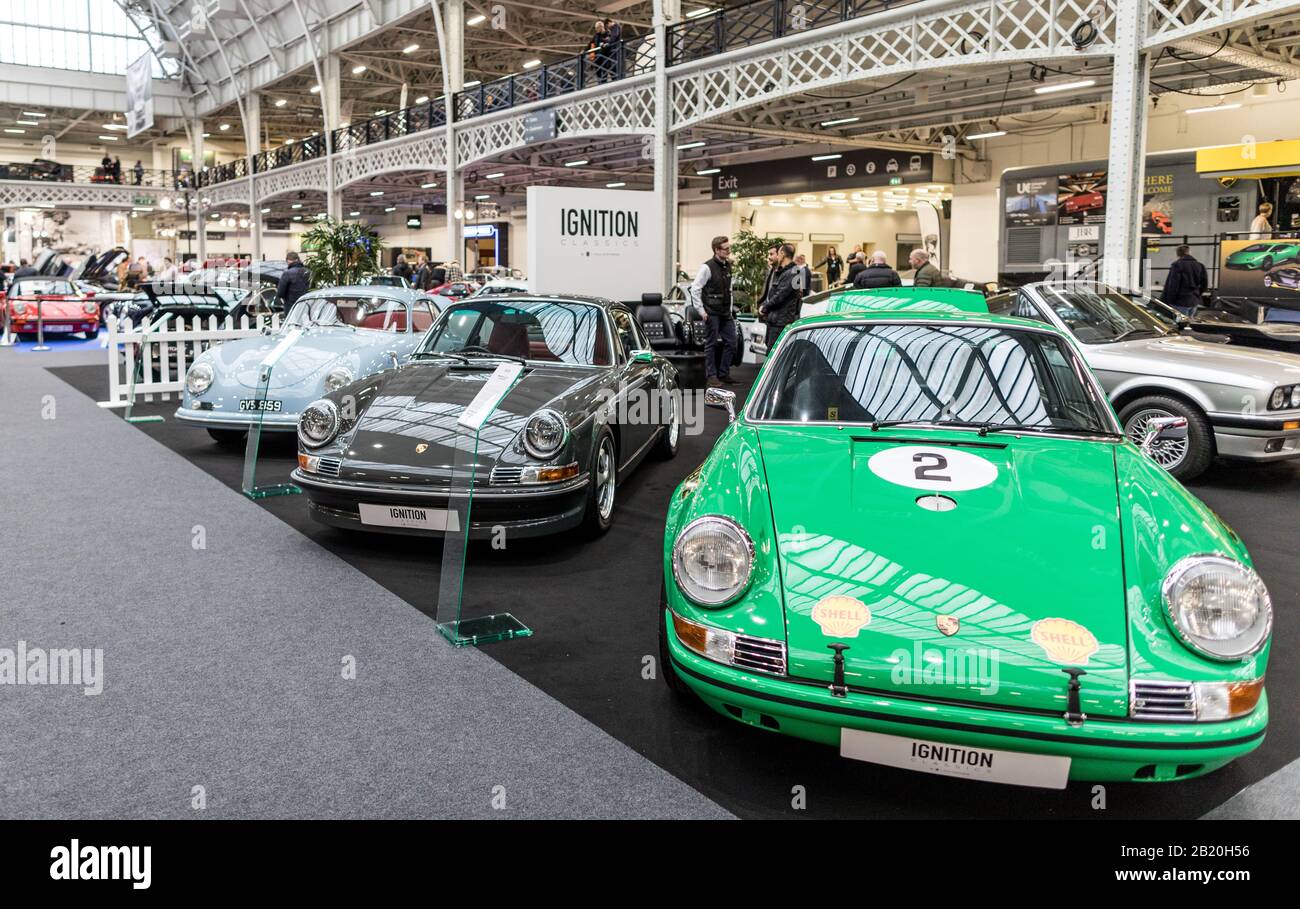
<point x="1218" y="607"/>
<point x="318" y="423"/>
<point x="199" y="378"/>
<point x="712" y="560"/>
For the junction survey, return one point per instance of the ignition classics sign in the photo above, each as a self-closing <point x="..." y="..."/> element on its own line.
<point x="593" y="241"/>
<point x="834" y="170"/>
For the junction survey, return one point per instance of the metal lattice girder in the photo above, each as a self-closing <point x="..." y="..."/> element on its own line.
<point x="892" y="43"/>
<point x="602" y="112"/>
<point x="231" y="193"/>
<point x="311" y="175"/>
<point x="419" y="152"/>
<point x="72" y="195"/>
<point x="1169" y="20"/>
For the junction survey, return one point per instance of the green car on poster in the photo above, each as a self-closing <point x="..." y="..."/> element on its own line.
<point x="1264" y="255"/>
<point x="925" y="540"/>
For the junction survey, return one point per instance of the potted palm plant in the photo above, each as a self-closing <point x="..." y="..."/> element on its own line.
<point x="339" y="253"/>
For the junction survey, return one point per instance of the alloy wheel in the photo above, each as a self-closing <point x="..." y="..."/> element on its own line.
<point x="1169" y="453"/>
<point x="605" y="479"/>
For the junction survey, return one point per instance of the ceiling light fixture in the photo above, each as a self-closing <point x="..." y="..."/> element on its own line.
<point x="578" y="163"/>
<point x="410" y="48"/>
<point x="476" y="20"/>
<point x="428" y="185"/>
<point x="423" y="99"/>
<point x="1206" y="110"/>
<point x="315" y="89"/>
<point x="359" y="69"/>
<point x="378" y="192"/>
<point x="532" y="64"/>
<point x="224" y="127"/>
<point x="481" y="196"/>
<point x="695" y="14"/>
<point x="840" y="121"/>
<point x="1064" y="86"/>
<point x="28" y="122"/>
<point x="497" y="176"/>
<point x="708" y="170"/>
<point x="471" y="83"/>
<point x="827" y="157"/>
<point x="32" y="113"/>
<point x="615" y="185"/>
<point x="281" y="102"/>
<point x="685" y="145"/>
<point x="991" y="134"/>
<point x="354" y="214"/>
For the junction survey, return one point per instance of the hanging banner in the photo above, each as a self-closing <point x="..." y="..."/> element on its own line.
<point x="1158" y="205"/>
<point x="139" y="96"/>
<point x="931" y="232"/>
<point x="1032" y="203"/>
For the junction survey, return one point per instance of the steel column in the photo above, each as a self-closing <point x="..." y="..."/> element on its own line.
<point x="1127" y="157"/>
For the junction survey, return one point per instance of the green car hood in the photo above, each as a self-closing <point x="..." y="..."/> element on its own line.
<point x="1029" y="565"/>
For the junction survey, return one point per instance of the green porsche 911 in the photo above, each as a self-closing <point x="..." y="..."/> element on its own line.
<point x="926" y="540"/>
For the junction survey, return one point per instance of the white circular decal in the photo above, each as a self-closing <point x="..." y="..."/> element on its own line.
<point x="937" y="467"/>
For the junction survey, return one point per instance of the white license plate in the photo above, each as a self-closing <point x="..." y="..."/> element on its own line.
<point x="270" y="405"/>
<point x="984" y="764"/>
<point x="55" y="329"/>
<point x="413" y="516"/>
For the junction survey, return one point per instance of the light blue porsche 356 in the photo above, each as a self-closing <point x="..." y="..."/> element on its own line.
<point x="346" y="333"/>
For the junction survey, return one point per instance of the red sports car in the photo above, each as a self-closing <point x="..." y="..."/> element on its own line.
<point x="1082" y="202"/>
<point x="454" y="290"/>
<point x="55" y="303"/>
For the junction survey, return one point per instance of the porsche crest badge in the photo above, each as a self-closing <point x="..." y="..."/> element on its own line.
<point x="948" y="625"/>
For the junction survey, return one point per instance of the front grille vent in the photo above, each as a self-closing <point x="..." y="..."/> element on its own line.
<point x="1172" y="701"/>
<point x="759" y="653"/>
<point x="329" y="467"/>
<point x="506" y="476"/>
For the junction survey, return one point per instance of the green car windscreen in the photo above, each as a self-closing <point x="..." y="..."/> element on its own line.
<point x="908" y="299"/>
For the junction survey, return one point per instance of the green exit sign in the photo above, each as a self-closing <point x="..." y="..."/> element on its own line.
<point x="142" y="200"/>
<point x="895" y="181"/>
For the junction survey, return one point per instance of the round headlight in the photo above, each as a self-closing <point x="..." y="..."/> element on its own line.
<point x="337" y="377"/>
<point x="545" y="434"/>
<point x="318" y="423"/>
<point x="199" y="378"/>
<point x="19" y="308"/>
<point x="1278" y="399"/>
<point x="1295" y="395"/>
<point x="90" y="308"/>
<point x="712" y="559"/>
<point x="1219" y="607"/>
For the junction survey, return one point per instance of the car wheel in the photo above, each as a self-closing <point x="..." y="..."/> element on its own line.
<point x="229" y="437"/>
<point x="91" y="335"/>
<point x="1183" y="458"/>
<point x="671" y="434"/>
<point x="1267" y="263"/>
<point x="666" y="670"/>
<point x="603" y="486"/>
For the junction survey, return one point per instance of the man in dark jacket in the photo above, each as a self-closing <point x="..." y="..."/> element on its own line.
<point x="781" y="307"/>
<point x="402" y="269"/>
<point x="856" y="263"/>
<point x="293" y="283"/>
<point x="926" y="274"/>
<point x="877" y="273"/>
<point x="1186" y="282"/>
<point x="437" y="276"/>
<point x="711" y="290"/>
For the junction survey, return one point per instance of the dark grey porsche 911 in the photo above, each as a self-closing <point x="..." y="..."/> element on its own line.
<point x="388" y="453"/>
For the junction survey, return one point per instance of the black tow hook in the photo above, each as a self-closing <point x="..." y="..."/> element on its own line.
<point x="837" y="686"/>
<point x="1074" y="714"/>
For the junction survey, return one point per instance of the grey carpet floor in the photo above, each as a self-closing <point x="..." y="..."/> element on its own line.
<point x="223" y="665"/>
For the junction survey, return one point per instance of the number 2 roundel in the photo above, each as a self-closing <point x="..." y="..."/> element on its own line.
<point x="937" y="468"/>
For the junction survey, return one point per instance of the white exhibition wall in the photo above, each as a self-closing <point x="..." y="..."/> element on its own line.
<point x="603" y="242"/>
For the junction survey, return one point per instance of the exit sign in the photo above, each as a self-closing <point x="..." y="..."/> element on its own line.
<point x="895" y="181"/>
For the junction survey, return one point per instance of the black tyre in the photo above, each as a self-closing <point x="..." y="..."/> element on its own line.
<point x="1267" y="263"/>
<point x="671" y="434"/>
<point x="229" y="437"/>
<point x="666" y="670"/>
<point x="602" y="487"/>
<point x="1185" y="459"/>
<point x="91" y="335"/>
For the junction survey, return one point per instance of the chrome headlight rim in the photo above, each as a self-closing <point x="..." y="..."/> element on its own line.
<point x="544" y="454"/>
<point x="193" y="373"/>
<point x="328" y="407"/>
<point x="1168" y="590"/>
<point x="337" y="377"/>
<point x="688" y="587"/>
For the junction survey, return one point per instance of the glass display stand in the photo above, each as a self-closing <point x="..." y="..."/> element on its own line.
<point x="459" y="620"/>
<point x="259" y="407"/>
<point x="137" y="373"/>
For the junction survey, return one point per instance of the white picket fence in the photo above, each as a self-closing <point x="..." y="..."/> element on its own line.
<point x="164" y="350"/>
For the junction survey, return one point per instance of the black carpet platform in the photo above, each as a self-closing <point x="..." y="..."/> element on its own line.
<point x="592" y="608"/>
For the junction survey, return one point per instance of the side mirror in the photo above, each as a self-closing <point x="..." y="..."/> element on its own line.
<point x="643" y="356"/>
<point x="393" y="355"/>
<point x="722" y="398"/>
<point x="1163" y="429"/>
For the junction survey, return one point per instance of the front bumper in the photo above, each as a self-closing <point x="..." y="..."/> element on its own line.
<point x="1256" y="438"/>
<point x="271" y="422"/>
<point x="1099" y="749"/>
<point x="54" y="326"/>
<point x="523" y="511"/>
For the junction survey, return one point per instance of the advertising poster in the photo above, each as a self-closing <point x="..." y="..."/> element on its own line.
<point x="1260" y="269"/>
<point x="139" y="96"/>
<point x="1158" y="205"/>
<point x="1031" y="202"/>
<point x="1081" y="198"/>
<point x="593" y="241"/>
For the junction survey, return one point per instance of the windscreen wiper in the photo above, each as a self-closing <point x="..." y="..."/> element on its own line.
<point x="499" y="356"/>
<point x="987" y="428"/>
<point x="440" y="353"/>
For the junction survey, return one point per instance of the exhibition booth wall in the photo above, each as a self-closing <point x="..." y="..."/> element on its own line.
<point x="977" y="209"/>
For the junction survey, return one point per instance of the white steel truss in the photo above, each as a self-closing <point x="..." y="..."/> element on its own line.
<point x="420" y="151"/>
<point x="15" y="193"/>
<point x="310" y="175"/>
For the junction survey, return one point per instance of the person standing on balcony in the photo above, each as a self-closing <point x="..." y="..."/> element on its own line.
<point x="138" y="170"/>
<point x="613" y="38"/>
<point x="597" y="51"/>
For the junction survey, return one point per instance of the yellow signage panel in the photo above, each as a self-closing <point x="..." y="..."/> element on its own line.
<point x="1273" y="159"/>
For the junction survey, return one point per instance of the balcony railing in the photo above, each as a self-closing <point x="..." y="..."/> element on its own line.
<point x="762" y="20"/>
<point x="552" y="80"/>
<point x="409" y="120"/>
<point x="52" y="172"/>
